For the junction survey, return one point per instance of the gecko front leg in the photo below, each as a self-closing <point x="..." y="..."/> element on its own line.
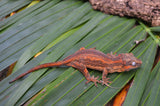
<point x="82" y="68"/>
<point x="105" y="79"/>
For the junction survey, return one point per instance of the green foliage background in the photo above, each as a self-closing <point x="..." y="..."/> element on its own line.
<point x="59" y="28"/>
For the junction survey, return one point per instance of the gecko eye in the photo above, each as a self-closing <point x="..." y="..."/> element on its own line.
<point x="133" y="63"/>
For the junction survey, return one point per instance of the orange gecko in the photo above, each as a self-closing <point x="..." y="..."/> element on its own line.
<point x="94" y="59"/>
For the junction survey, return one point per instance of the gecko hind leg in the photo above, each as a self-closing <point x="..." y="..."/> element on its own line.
<point x="82" y="68"/>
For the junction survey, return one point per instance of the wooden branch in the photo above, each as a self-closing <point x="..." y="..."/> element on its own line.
<point x="147" y="10"/>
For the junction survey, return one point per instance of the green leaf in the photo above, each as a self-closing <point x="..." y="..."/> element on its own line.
<point x="155" y="92"/>
<point x="26" y="14"/>
<point x="155" y="29"/>
<point x="14" y="43"/>
<point x="58" y="28"/>
<point x="157" y="40"/>
<point x="8" y="6"/>
<point x="151" y="93"/>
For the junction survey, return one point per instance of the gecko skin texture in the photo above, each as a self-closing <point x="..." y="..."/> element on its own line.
<point x="94" y="59"/>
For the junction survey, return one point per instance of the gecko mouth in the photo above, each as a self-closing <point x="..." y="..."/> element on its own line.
<point x="134" y="68"/>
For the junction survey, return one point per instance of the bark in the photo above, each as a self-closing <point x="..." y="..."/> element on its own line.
<point x="147" y="10"/>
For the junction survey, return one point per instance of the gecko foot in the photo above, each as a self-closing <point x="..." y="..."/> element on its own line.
<point x="93" y="79"/>
<point x="105" y="82"/>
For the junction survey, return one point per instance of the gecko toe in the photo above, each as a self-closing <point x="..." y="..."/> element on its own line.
<point x="105" y="81"/>
<point x="93" y="79"/>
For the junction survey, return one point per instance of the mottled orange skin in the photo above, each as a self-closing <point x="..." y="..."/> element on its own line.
<point x="94" y="59"/>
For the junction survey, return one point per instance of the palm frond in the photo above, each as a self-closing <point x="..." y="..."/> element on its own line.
<point x="59" y="28"/>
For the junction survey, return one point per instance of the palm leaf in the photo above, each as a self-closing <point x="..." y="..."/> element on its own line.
<point x="59" y="28"/>
<point x="151" y="93"/>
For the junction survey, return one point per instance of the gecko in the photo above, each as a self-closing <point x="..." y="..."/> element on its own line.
<point x="93" y="59"/>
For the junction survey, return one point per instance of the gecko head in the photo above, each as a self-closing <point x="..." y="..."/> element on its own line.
<point x="130" y="61"/>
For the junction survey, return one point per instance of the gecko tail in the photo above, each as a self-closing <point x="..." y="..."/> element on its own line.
<point x="54" y="64"/>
